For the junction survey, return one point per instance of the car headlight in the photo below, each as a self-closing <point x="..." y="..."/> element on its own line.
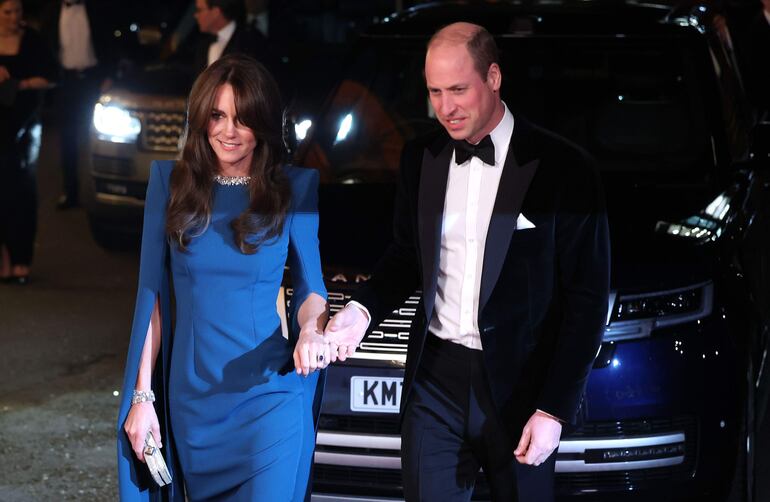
<point x="635" y="316"/>
<point x="116" y="124"/>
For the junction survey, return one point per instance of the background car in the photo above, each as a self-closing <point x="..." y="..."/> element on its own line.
<point x="654" y="94"/>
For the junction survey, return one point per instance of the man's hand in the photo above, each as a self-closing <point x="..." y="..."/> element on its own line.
<point x="345" y="331"/>
<point x="539" y="439"/>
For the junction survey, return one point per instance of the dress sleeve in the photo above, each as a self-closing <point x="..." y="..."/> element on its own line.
<point x="134" y="481"/>
<point x="304" y="256"/>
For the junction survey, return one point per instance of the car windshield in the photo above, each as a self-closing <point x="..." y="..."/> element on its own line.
<point x="634" y="103"/>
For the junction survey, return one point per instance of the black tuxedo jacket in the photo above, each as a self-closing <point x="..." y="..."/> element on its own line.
<point x="245" y="40"/>
<point x="102" y="20"/>
<point x="544" y="290"/>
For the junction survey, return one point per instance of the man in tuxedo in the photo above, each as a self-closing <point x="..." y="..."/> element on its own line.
<point x="502" y="226"/>
<point x="80" y="33"/>
<point x="223" y="23"/>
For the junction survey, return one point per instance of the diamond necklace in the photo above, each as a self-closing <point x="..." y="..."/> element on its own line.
<point x="232" y="180"/>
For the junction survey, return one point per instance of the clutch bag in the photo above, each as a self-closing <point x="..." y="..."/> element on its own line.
<point x="155" y="462"/>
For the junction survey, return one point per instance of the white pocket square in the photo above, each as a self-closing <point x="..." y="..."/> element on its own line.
<point x="522" y="223"/>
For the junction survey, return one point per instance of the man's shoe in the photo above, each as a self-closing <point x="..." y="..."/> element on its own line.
<point x="65" y="202"/>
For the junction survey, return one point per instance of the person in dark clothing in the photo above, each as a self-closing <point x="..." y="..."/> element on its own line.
<point x="224" y="32"/>
<point x="80" y="35"/>
<point x="501" y="225"/>
<point x="26" y="69"/>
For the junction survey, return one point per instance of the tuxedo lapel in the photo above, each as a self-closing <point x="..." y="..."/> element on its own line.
<point x="430" y="209"/>
<point x="514" y="182"/>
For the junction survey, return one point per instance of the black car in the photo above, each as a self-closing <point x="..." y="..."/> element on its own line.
<point x="654" y="93"/>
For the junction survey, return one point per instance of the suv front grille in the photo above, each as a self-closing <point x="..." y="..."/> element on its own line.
<point x="386" y="424"/>
<point x="161" y="130"/>
<point x="354" y="479"/>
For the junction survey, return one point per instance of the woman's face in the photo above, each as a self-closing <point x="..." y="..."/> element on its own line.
<point x="10" y="15"/>
<point x="232" y="142"/>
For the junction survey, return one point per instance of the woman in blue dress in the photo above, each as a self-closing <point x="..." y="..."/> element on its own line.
<point x="228" y="397"/>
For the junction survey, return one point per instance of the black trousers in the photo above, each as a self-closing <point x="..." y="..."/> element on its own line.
<point x="451" y="429"/>
<point x="74" y="100"/>
<point x="18" y="205"/>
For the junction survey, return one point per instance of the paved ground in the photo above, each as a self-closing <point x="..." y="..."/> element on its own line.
<point x="62" y="347"/>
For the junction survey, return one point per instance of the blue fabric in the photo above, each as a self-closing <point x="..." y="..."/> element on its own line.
<point x="236" y="420"/>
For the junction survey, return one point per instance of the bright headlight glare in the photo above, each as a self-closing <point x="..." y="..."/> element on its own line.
<point x="301" y="128"/>
<point x="115" y="124"/>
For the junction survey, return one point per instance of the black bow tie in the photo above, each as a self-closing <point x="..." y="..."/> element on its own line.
<point x="485" y="151"/>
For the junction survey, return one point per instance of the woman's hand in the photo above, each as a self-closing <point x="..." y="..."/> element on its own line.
<point x="311" y="352"/>
<point x="141" y="418"/>
<point x="4" y="74"/>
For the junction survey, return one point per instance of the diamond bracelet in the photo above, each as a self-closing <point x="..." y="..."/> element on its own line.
<point x="140" y="396"/>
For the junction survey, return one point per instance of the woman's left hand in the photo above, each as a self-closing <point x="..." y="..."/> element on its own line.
<point x="312" y="351"/>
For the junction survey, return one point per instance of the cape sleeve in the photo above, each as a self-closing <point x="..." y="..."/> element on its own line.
<point x="304" y="257"/>
<point x="135" y="483"/>
<point x="304" y="262"/>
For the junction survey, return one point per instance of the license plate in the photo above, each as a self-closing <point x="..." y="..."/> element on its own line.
<point x="373" y="394"/>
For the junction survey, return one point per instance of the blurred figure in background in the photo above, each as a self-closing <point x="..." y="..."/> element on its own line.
<point x="224" y="23"/>
<point x="81" y="36"/>
<point x="26" y="69"/>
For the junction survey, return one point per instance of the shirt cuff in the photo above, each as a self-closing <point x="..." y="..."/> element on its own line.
<point x="362" y="309"/>
<point x="551" y="416"/>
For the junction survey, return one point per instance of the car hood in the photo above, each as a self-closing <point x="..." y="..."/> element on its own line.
<point x="663" y="236"/>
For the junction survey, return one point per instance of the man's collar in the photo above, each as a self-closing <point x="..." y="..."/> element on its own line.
<point x="226" y="32"/>
<point x="501" y="136"/>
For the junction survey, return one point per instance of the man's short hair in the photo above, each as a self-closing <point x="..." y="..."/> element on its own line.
<point x="233" y="10"/>
<point x="481" y="47"/>
<point x="483" y="51"/>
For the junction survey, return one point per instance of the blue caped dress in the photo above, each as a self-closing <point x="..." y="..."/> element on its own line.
<point x="237" y="422"/>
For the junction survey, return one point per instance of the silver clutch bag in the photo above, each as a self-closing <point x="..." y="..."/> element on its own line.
<point x="155" y="462"/>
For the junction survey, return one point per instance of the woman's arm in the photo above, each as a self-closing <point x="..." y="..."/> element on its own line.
<point x="142" y="417"/>
<point x="312" y="317"/>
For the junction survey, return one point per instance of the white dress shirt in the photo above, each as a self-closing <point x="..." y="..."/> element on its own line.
<point x="76" y="47"/>
<point x="470" y="197"/>
<point x="223" y="37"/>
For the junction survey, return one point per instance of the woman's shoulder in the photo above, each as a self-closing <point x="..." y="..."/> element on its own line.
<point x="301" y="179"/>
<point x="164" y="167"/>
<point x="300" y="175"/>
<point x="160" y="171"/>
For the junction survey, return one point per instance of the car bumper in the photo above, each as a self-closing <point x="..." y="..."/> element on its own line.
<point x="659" y="414"/>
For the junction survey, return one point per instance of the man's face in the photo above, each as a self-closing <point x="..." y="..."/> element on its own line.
<point x="464" y="102"/>
<point x="206" y="17"/>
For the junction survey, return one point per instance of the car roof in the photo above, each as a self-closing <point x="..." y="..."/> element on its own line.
<point x="547" y="17"/>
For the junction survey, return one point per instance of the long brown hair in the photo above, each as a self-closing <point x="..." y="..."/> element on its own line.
<point x="258" y="105"/>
